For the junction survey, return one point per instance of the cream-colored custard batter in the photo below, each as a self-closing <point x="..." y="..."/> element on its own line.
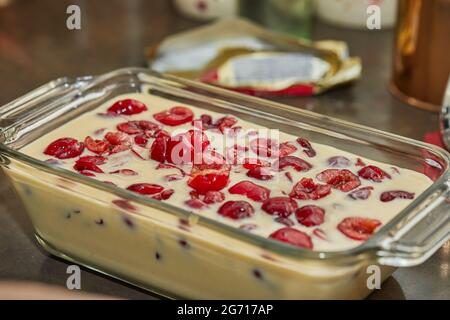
<point x="338" y="205"/>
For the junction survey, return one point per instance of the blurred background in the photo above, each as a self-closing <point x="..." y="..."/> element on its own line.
<point x="407" y="56"/>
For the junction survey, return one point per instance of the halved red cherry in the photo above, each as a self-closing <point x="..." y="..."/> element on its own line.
<point x="236" y="210"/>
<point x="118" y="138"/>
<point x="293" y="236"/>
<point x="280" y="206"/>
<point x="250" y="163"/>
<point x="119" y="141"/>
<point x="358" y="228"/>
<point x="225" y="123"/>
<point x="206" y="120"/>
<point x="148" y="126"/>
<point x="145" y="188"/>
<point x="130" y="127"/>
<point x="125" y="172"/>
<point x="170" y="166"/>
<point x="141" y="140"/>
<point x="319" y="233"/>
<point x="307" y="189"/>
<point x="360" y="163"/>
<point x="127" y="107"/>
<point x="343" y="180"/>
<point x="89" y="163"/>
<point x="291" y="161"/>
<point x="138" y="126"/>
<point x="187" y="147"/>
<point x="195" y="204"/>
<point x="260" y="173"/>
<point x="373" y="173"/>
<point x="194" y="194"/>
<point x="175" y="116"/>
<point x="96" y="146"/>
<point x="203" y="183"/>
<point x="64" y="148"/>
<point x="158" y="150"/>
<point x="173" y="177"/>
<point x="307" y="148"/>
<point x="361" y="193"/>
<point x="310" y="215"/>
<point x="250" y="190"/>
<point x="164" y="195"/>
<point x="338" y="162"/>
<point x="213" y="197"/>
<point x="396" y="194"/>
<point x="212" y="177"/>
<point x="121" y="147"/>
<point x="286" y="221"/>
<point x="265" y="147"/>
<point x="286" y="149"/>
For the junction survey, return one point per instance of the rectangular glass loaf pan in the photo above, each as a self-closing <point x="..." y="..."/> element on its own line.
<point x="173" y="252"/>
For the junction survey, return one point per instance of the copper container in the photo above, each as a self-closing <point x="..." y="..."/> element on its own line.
<point x="421" y="65"/>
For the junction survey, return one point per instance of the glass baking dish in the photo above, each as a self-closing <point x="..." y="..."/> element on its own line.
<point x="176" y="253"/>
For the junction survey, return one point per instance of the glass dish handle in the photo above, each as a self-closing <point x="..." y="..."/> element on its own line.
<point x="40" y="101"/>
<point x="413" y="241"/>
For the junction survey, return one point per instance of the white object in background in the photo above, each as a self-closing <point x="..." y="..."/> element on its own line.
<point x="207" y="9"/>
<point x="353" y="13"/>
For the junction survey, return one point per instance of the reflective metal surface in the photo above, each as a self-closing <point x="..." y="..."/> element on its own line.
<point x="445" y="117"/>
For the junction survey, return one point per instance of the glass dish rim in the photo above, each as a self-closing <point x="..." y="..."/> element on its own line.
<point x="366" y="247"/>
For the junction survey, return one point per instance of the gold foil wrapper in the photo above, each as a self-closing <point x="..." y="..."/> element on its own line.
<point x="236" y="54"/>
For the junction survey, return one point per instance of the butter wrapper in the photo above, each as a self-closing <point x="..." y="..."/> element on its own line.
<point x="236" y="54"/>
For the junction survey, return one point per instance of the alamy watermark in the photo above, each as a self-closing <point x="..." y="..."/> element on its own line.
<point x="374" y="277"/>
<point x="74" y="279"/>
<point x="373" y="12"/>
<point x="374" y="17"/>
<point x="73" y="21"/>
<point x="373" y="281"/>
